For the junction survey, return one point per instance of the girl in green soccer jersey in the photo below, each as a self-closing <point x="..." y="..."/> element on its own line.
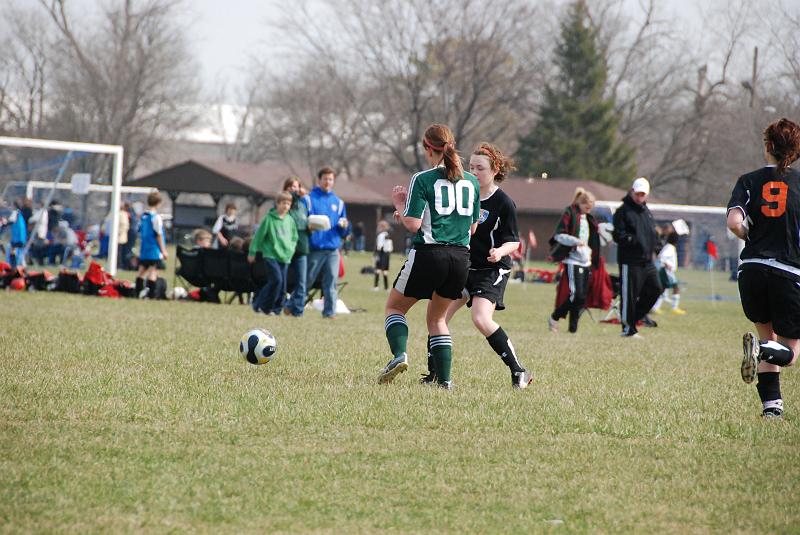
<point x="441" y="206"/>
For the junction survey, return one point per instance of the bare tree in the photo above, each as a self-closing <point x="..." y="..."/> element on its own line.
<point x="26" y="66"/>
<point x="125" y="80"/>
<point x="387" y="71"/>
<point x="783" y="22"/>
<point x="303" y="119"/>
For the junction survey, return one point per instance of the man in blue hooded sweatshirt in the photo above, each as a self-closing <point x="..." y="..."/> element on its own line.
<point x="324" y="244"/>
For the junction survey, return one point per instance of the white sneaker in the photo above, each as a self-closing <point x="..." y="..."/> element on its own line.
<point x="635" y="336"/>
<point x="552" y="324"/>
<point x="395" y="367"/>
<point x="750" y="351"/>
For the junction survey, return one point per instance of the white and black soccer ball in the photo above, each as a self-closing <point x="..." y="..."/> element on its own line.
<point x="177" y="293"/>
<point x="257" y="346"/>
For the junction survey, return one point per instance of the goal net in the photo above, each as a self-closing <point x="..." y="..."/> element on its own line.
<point x="707" y="252"/>
<point x="83" y="180"/>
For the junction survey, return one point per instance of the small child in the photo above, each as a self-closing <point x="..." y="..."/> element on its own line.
<point x="383" y="250"/>
<point x="152" y="249"/>
<point x="201" y="238"/>
<point x="275" y="239"/>
<point x="225" y="227"/>
<point x="668" y="258"/>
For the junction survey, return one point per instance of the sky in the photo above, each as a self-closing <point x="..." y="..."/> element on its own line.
<point x="230" y="31"/>
<point x="225" y="34"/>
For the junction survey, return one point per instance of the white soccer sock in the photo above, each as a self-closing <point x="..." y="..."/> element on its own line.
<point x="660" y="300"/>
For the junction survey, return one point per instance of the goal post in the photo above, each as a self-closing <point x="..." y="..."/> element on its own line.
<point x="117" y="154"/>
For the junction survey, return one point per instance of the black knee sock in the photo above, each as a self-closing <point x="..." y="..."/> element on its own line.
<point x="776" y="353"/>
<point x="139" y="285"/>
<point x="501" y="345"/>
<point x="769" y="389"/>
<point x="385" y="282"/>
<point x="376" y="279"/>
<point x="151" y="289"/>
<point x="431" y="362"/>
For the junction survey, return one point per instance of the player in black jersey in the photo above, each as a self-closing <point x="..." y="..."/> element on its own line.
<point x="764" y="210"/>
<point x="490" y="264"/>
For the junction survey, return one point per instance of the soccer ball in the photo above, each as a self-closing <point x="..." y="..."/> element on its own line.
<point x="177" y="293"/>
<point x="257" y="346"/>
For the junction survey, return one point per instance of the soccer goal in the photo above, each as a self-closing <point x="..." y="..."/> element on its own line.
<point x="23" y="158"/>
<point x="705" y="245"/>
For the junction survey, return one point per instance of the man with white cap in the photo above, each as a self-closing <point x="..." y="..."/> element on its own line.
<point x="636" y="237"/>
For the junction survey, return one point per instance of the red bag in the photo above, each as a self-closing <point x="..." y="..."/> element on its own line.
<point x="108" y="290"/>
<point x="97" y="275"/>
<point x="341" y="266"/>
<point x="600" y="293"/>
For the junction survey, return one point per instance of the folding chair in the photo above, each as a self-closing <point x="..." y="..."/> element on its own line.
<point x="240" y="276"/>
<point x="216" y="269"/>
<point x="189" y="268"/>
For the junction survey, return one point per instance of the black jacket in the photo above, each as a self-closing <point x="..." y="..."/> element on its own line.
<point x="634" y="232"/>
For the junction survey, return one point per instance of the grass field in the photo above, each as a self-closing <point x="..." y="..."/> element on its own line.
<point x="131" y="416"/>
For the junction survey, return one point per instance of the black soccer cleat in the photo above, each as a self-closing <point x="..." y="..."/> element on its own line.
<point x="521" y="379"/>
<point x="427" y="379"/>
<point x="647" y="321"/>
<point x="772" y="412"/>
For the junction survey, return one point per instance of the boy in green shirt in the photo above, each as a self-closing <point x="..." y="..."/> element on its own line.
<point x="275" y="239"/>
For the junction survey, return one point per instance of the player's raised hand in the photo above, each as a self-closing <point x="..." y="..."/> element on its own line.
<point x="399" y="196"/>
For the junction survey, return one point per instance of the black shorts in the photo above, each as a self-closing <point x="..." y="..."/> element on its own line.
<point x="665" y="279"/>
<point x="489" y="284"/>
<point x="150" y="263"/>
<point x="434" y="268"/>
<point x="770" y="296"/>
<point x="382" y="261"/>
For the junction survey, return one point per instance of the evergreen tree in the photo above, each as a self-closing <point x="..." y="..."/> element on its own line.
<point x="576" y="135"/>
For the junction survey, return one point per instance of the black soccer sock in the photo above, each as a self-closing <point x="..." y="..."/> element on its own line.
<point x="776" y="353"/>
<point x="376" y="279"/>
<point x="431" y="362"/>
<point x="139" y="285"/>
<point x="769" y="390"/>
<point x="151" y="289"/>
<point x="501" y="345"/>
<point x="442" y="355"/>
<point x="385" y="282"/>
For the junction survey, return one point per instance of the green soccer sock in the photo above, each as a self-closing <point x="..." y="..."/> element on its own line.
<point x="396" y="333"/>
<point x="442" y="354"/>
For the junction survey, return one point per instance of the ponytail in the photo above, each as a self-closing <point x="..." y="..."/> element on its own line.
<point x="782" y="141"/>
<point x="439" y="138"/>
<point x="582" y="195"/>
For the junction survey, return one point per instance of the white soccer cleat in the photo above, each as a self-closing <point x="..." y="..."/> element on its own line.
<point x="395" y="367"/>
<point x="750" y="351"/>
